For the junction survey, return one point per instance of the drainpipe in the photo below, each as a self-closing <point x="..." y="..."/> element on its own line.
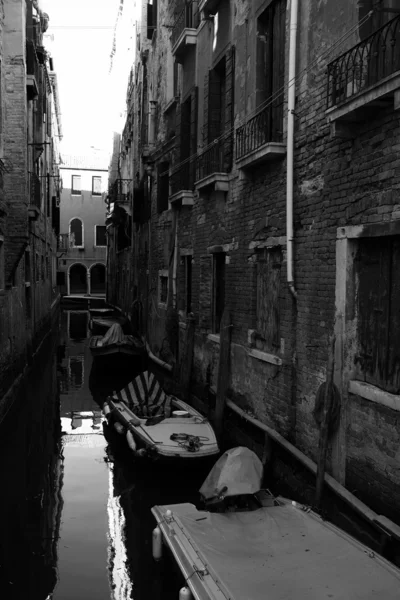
<point x="290" y="144"/>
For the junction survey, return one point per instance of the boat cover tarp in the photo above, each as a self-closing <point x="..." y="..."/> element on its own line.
<point x="145" y="397"/>
<point x="285" y="553"/>
<point x="238" y="470"/>
<point x="114" y="335"/>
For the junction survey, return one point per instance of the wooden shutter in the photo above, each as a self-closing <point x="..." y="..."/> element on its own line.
<point x="229" y="107"/>
<point x="215" y="127"/>
<point x="205" y="109"/>
<point x="268" y="292"/>
<point x="205" y="291"/>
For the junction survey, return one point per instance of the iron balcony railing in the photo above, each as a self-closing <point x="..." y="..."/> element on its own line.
<point x="214" y="159"/>
<point x="264" y="127"/>
<point x="120" y="191"/>
<point x="35" y="191"/>
<point x="63" y="241"/>
<point x="364" y="65"/>
<point x="183" y="177"/>
<point x="188" y="18"/>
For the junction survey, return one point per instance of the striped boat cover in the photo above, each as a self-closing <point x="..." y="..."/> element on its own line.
<point x="144" y="396"/>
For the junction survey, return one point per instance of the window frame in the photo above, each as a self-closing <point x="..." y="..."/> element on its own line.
<point x="73" y="245"/>
<point x="96" y="194"/>
<point x="162" y="274"/>
<point x="76" y="192"/>
<point x="96" y="245"/>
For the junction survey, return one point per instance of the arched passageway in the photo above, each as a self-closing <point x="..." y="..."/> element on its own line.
<point x="78" y="279"/>
<point x="98" y="279"/>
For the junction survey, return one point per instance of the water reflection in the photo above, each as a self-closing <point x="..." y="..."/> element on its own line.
<point x="31" y="473"/>
<point x="78" y="507"/>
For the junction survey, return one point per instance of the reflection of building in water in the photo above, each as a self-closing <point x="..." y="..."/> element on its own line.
<point x="78" y="324"/>
<point x="82" y="422"/>
<point x="118" y="570"/>
<point x="76" y="371"/>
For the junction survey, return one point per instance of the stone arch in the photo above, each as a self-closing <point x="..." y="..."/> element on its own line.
<point x="77" y="279"/>
<point x="98" y="278"/>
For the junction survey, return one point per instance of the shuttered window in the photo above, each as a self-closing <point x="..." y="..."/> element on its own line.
<point x="268" y="302"/>
<point x="162" y="186"/>
<point x="218" y="290"/>
<point x="378" y="312"/>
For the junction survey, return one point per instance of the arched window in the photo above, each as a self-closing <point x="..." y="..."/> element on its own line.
<point x="76" y="232"/>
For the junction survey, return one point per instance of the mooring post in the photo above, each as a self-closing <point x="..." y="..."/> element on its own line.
<point x="324" y="429"/>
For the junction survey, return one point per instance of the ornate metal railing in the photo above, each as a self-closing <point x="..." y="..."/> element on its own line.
<point x="183" y="177"/>
<point x="213" y="160"/>
<point x="264" y="127"/>
<point x="367" y="63"/>
<point x="120" y="191"/>
<point x="63" y="242"/>
<point x="35" y="190"/>
<point x="188" y="17"/>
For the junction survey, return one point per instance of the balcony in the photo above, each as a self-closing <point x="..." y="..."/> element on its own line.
<point x="35" y="196"/>
<point x="32" y="71"/>
<point x="213" y="164"/>
<point x="259" y="140"/>
<point x="366" y="77"/>
<point x="63" y="242"/>
<point x="184" y="31"/>
<point x="181" y="182"/>
<point x="120" y="192"/>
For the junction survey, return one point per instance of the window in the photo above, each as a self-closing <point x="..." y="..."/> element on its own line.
<point x="76" y="233"/>
<point x="267" y="302"/>
<point x="218" y="290"/>
<point x="270" y="65"/>
<point x="163" y="287"/>
<point x="151" y="18"/>
<point x="96" y="186"/>
<point x="76" y="186"/>
<point x="378" y="316"/>
<point x="216" y="101"/>
<point x="2" y="266"/>
<point x="162" y="186"/>
<point x="101" y="239"/>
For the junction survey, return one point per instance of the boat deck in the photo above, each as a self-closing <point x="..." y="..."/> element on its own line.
<point x="280" y="553"/>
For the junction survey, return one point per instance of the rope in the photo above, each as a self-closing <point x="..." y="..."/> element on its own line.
<point x="190" y="442"/>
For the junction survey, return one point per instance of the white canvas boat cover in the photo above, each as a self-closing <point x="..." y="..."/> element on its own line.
<point x="275" y="553"/>
<point x="238" y="470"/>
<point x="114" y="335"/>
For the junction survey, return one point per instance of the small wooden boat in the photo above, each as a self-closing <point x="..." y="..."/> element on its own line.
<point x="277" y="549"/>
<point x="159" y="426"/>
<point x="100" y="325"/>
<point x="116" y="342"/>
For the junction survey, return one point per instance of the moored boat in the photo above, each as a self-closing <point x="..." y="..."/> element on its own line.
<point x="253" y="545"/>
<point x="116" y="342"/>
<point x="100" y="325"/>
<point x="160" y="426"/>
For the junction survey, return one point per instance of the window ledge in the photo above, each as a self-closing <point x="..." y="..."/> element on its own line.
<point x="171" y="103"/>
<point x="188" y="37"/>
<point x="374" y="394"/>
<point x="263" y="154"/>
<point x="218" y="181"/>
<point x="214" y="337"/>
<point x="186" y="197"/>
<point x="265" y="357"/>
<point x="373" y="97"/>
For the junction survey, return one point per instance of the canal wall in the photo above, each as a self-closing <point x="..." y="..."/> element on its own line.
<point x="17" y="349"/>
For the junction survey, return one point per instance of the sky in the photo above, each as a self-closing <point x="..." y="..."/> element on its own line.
<point x="92" y="100"/>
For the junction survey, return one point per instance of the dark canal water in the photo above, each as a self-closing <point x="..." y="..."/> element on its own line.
<point x="75" y="510"/>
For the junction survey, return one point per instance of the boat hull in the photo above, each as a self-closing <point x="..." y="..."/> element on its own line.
<point x="153" y="442"/>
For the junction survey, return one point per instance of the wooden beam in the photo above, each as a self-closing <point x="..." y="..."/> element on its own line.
<point x="223" y="370"/>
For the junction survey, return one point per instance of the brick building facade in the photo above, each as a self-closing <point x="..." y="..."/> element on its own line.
<point x="207" y="141"/>
<point x="29" y="220"/>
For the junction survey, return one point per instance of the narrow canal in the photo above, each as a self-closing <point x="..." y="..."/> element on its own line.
<point x="76" y="521"/>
